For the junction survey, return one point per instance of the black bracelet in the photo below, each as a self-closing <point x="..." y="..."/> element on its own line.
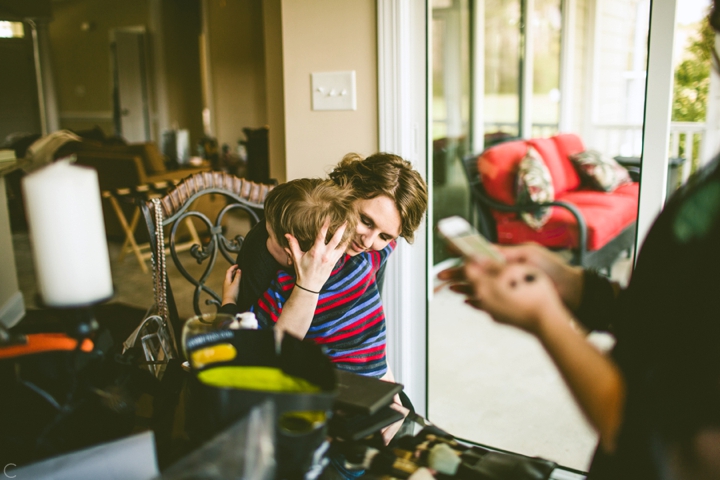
<point x="303" y="288"/>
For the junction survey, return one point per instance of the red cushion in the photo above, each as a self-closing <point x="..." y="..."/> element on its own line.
<point x="498" y="169"/>
<point x="606" y="215"/>
<point x="564" y="176"/>
<point x="568" y="144"/>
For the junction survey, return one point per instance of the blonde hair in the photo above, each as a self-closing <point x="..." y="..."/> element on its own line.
<point x="389" y="175"/>
<point x="301" y="207"/>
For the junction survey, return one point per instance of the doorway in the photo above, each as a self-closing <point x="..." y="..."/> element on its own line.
<point x="131" y="111"/>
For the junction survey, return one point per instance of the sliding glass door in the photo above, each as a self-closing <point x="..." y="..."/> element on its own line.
<point x="506" y="69"/>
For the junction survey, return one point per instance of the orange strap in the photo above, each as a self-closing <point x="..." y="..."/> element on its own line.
<point x="44" y="342"/>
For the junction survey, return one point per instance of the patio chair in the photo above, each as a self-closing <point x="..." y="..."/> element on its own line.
<point x="595" y="226"/>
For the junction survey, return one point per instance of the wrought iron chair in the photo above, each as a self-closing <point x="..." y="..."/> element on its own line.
<point x="482" y="206"/>
<point x="177" y="206"/>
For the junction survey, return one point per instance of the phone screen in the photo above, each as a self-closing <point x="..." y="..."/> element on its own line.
<point x="459" y="233"/>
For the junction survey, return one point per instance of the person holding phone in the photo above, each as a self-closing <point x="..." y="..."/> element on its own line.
<point x="655" y="399"/>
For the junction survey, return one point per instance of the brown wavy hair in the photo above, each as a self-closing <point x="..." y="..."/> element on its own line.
<point x="390" y="175"/>
<point x="300" y="208"/>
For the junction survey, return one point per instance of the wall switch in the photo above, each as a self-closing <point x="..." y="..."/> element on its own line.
<point x="334" y="91"/>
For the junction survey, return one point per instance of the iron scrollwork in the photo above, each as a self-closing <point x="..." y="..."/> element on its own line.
<point x="240" y="194"/>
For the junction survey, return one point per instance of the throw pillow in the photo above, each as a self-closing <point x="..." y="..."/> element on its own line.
<point x="534" y="185"/>
<point x="599" y="171"/>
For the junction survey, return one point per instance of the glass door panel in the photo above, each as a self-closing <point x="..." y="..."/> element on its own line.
<point x="546" y="24"/>
<point x="693" y="127"/>
<point x="501" y="114"/>
<point x="489" y="383"/>
<point x="451" y="121"/>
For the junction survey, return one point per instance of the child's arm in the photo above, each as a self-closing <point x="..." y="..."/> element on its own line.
<point x="312" y="270"/>
<point x="231" y="285"/>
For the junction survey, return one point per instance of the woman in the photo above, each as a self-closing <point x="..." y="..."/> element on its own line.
<point x="391" y="200"/>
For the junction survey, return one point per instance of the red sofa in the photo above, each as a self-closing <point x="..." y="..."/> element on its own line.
<point x="597" y="226"/>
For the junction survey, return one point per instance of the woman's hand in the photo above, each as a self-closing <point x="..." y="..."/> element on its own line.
<point x="521" y="294"/>
<point x="231" y="285"/>
<point x="313" y="268"/>
<point x="568" y="279"/>
<point x="391" y="430"/>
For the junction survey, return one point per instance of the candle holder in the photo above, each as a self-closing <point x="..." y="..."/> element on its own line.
<point x="79" y="321"/>
<point x="8" y="339"/>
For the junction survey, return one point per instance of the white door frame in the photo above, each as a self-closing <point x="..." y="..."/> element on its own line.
<point x="402" y="129"/>
<point x="658" y="109"/>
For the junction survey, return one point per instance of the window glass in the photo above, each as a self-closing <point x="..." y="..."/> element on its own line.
<point x="451" y="111"/>
<point x="693" y="88"/>
<point x="11" y="29"/>
<point x="489" y="383"/>
<point x="501" y="113"/>
<point x="546" y="24"/>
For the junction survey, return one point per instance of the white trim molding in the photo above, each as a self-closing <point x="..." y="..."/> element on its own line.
<point x="88" y="116"/>
<point x="656" y="129"/>
<point x="402" y="119"/>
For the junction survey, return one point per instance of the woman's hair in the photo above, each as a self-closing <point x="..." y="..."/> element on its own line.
<point x="389" y="175"/>
<point x="301" y="207"/>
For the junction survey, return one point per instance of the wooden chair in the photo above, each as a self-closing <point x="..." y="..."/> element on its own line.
<point x="241" y="194"/>
<point x="136" y="196"/>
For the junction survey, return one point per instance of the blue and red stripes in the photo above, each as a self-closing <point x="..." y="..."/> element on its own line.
<point x="349" y="319"/>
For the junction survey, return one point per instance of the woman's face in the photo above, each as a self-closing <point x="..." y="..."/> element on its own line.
<point x="379" y="224"/>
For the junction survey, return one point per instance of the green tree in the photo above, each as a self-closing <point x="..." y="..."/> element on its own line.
<point x="692" y="78"/>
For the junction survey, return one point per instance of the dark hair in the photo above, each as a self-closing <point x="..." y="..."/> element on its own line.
<point x="389" y="175"/>
<point x="301" y="207"/>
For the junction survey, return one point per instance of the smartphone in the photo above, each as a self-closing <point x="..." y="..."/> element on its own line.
<point x="468" y="241"/>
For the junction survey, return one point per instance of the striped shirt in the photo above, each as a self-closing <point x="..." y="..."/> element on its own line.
<point x="349" y="321"/>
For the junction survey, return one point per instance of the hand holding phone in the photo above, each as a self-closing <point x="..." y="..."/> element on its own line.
<point x="466" y="239"/>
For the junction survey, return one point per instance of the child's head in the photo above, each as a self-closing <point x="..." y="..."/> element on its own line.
<point x="301" y="207"/>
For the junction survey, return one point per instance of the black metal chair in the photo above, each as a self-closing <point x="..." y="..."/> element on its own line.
<point x="178" y="205"/>
<point x="481" y="211"/>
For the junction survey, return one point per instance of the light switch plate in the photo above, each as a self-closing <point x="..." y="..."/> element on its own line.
<point x="334" y="91"/>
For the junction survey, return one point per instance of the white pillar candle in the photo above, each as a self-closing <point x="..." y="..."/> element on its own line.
<point x="67" y="233"/>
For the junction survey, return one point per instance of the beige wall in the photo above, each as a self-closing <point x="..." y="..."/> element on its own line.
<point x="274" y="65"/>
<point x="181" y="31"/>
<point x="82" y="63"/>
<point x="248" y="89"/>
<point x="326" y="36"/>
<point x="81" y="59"/>
<point x="237" y="68"/>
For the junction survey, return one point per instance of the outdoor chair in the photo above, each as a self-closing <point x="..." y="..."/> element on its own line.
<point x="596" y="226"/>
